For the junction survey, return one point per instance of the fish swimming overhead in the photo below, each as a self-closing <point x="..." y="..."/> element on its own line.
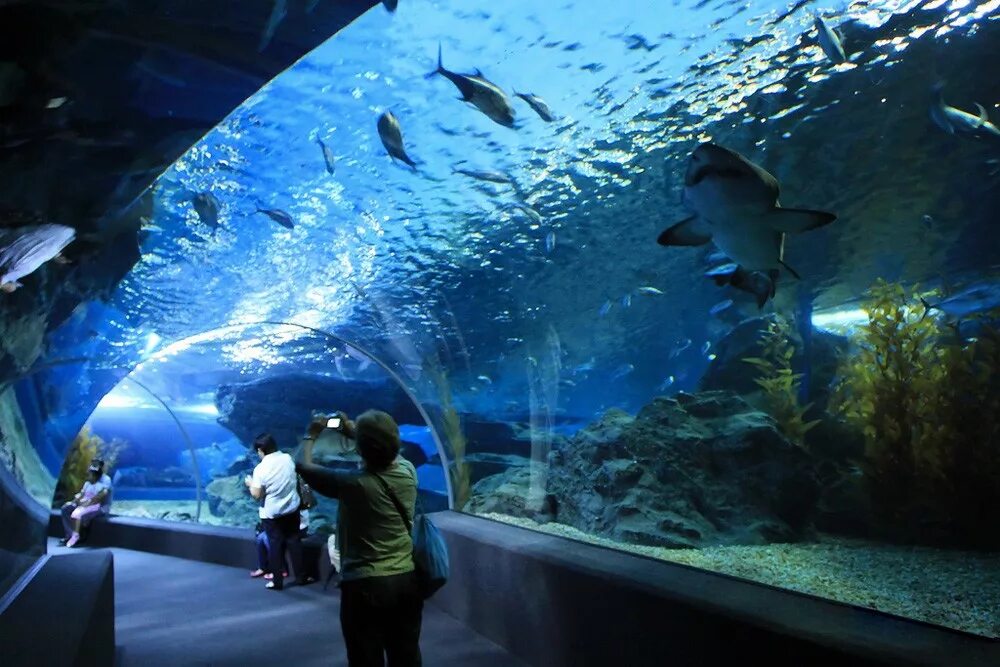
<point x="734" y="204"/>
<point x="482" y="94"/>
<point x="830" y="41"/>
<point x="390" y="5"/>
<point x="486" y="175"/>
<point x="539" y="105"/>
<point x="327" y="156"/>
<point x="392" y="138"/>
<point x="206" y="205"/>
<point x="278" y="216"/>
<point x="25" y="249"/>
<point x="953" y="120"/>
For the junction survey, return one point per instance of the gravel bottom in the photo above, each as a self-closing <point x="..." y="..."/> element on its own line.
<point x="955" y="589"/>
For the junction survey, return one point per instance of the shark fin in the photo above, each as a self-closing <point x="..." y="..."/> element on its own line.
<point x="795" y="220"/>
<point x="686" y="232"/>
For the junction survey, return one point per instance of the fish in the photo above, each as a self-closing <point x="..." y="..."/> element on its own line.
<point x="550" y="242"/>
<point x="278" y="13"/>
<point x="758" y="283"/>
<point x="539" y="105"/>
<point x="585" y="367"/>
<point x="327" y="156"/>
<point x="482" y="94"/>
<point x="278" y="216"/>
<point x="605" y="308"/>
<point x="719" y="307"/>
<point x="392" y="138"/>
<point x="980" y="298"/>
<point x="649" y="291"/>
<point x="486" y="175"/>
<point x="706" y="347"/>
<point x="206" y="205"/>
<point x="666" y="384"/>
<point x="622" y="371"/>
<point x="734" y="203"/>
<point x="626" y="301"/>
<point x="485" y="379"/>
<point x="953" y="120"/>
<point x="535" y="216"/>
<point x="830" y="41"/>
<point x="28" y="248"/>
<point x="684" y="344"/>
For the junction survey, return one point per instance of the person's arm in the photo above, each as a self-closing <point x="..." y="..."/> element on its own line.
<point x="255" y="486"/>
<point x="323" y="481"/>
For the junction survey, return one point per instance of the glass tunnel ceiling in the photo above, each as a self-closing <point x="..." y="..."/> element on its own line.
<point x="530" y="291"/>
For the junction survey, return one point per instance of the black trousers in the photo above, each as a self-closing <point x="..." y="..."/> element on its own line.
<point x="283" y="533"/>
<point x="380" y="618"/>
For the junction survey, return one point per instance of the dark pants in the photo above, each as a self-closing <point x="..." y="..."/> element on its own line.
<point x="283" y="531"/>
<point x="380" y="618"/>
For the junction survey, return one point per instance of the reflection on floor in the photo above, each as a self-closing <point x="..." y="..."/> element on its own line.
<point x="172" y="611"/>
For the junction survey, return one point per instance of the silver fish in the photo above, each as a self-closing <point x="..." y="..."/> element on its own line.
<point x="28" y="248"/>
<point x="721" y="306"/>
<point x="327" y="156"/>
<point x="482" y="94"/>
<point x="649" y="291"/>
<point x="830" y="41"/>
<point x="550" y="242"/>
<point x="539" y="105"/>
<point x="278" y="13"/>
<point x="392" y="138"/>
<point x="953" y="120"/>
<point x="605" y="309"/>
<point x="486" y="175"/>
<point x="278" y="216"/>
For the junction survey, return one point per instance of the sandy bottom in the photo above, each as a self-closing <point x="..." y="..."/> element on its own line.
<point x="956" y="589"/>
<point x="173" y="510"/>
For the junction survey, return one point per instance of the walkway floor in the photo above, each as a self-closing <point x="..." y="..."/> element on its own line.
<point x="171" y="611"/>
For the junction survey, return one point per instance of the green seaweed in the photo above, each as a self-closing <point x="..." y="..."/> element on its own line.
<point x="779" y="384"/>
<point x="84" y="449"/>
<point x="928" y="404"/>
<point x="453" y="434"/>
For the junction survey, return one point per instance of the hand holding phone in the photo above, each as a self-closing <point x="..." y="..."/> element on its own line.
<point x="333" y="422"/>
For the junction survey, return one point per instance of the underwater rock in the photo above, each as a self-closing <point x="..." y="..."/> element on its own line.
<point x="691" y="471"/>
<point x="486" y="465"/>
<point x="142" y="476"/>
<point x="283" y="405"/>
<point x="228" y="497"/>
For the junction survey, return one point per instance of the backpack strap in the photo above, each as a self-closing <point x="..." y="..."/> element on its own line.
<point x="395" y="501"/>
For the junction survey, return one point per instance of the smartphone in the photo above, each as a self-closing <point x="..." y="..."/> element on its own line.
<point x="333" y="422"/>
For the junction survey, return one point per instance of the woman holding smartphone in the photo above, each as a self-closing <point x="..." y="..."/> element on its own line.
<point x="380" y="605"/>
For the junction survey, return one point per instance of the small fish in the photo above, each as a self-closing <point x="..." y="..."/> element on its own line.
<point x="830" y="41"/>
<point x="484" y="379"/>
<point x="550" y="242"/>
<point x="605" y="309"/>
<point x="719" y="307"/>
<point x="928" y="221"/>
<point x="539" y="105"/>
<point x="626" y="301"/>
<point x="724" y="270"/>
<point x="206" y="205"/>
<point x="278" y="13"/>
<point x="278" y="216"/>
<point x="706" y="347"/>
<point x="666" y="384"/>
<point x="684" y="344"/>
<point x="649" y="291"/>
<point x="622" y="371"/>
<point x="535" y="216"/>
<point x="56" y="102"/>
<point x="392" y="138"/>
<point x="567" y="382"/>
<point x="482" y="94"/>
<point x="953" y="120"/>
<point x="585" y="367"/>
<point x="29" y="248"/>
<point x="327" y="156"/>
<point x="486" y="175"/>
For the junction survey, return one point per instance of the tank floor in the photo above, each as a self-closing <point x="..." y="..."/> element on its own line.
<point x="171" y="611"/>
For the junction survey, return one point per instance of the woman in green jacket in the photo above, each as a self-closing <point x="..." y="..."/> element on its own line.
<point x="380" y="603"/>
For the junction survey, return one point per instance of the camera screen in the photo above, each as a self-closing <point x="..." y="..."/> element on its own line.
<point x="333" y="422"/>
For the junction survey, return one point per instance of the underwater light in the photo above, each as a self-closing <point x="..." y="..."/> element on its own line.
<point x="201" y="409"/>
<point x="152" y="340"/>
<point x="839" y="318"/>
<point x="115" y="401"/>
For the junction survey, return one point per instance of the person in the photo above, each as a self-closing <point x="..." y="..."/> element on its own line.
<point x="274" y="482"/>
<point x="263" y="547"/>
<point x="380" y="603"/>
<point x="93" y="500"/>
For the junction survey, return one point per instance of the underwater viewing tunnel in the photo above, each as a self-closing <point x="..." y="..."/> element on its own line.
<point x="686" y="316"/>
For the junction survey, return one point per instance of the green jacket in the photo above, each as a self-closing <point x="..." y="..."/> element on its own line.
<point x="371" y="536"/>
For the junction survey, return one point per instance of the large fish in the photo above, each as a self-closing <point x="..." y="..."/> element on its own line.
<point x="392" y="138"/>
<point x="482" y="94"/>
<point x="734" y="204"/>
<point x="830" y="41"/>
<point x="27" y="248"/>
<point x="953" y="120"/>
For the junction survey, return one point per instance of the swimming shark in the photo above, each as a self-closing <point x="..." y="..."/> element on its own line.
<point x="482" y="94"/>
<point x="953" y="120"/>
<point x="734" y="204"/>
<point x="392" y="138"/>
<point x="24" y="250"/>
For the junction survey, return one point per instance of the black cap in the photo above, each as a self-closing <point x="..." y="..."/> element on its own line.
<point x="97" y="465"/>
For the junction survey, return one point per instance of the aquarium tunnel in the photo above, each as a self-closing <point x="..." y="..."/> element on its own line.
<point x="692" y="308"/>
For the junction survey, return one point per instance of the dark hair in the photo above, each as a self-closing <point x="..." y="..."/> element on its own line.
<point x="378" y="439"/>
<point x="265" y="442"/>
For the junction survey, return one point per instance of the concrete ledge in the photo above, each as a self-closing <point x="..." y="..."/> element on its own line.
<point x="64" y="615"/>
<point x="553" y="601"/>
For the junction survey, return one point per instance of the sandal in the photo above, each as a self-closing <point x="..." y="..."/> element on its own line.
<point x="271" y="587"/>
<point x="259" y="573"/>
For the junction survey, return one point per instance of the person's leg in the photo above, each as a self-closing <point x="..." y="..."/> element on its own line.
<point x="67" y="511"/>
<point x="358" y="622"/>
<point x="402" y="623"/>
<point x="80" y="514"/>
<point x="276" y="549"/>
<point x="262" y="555"/>
<point x="294" y="537"/>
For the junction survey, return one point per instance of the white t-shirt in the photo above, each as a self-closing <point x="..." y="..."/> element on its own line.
<point x="275" y="474"/>
<point x="91" y="489"/>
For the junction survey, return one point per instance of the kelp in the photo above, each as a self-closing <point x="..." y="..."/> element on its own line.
<point x="779" y="384"/>
<point x="928" y="403"/>
<point x="84" y="449"/>
<point x="453" y="434"/>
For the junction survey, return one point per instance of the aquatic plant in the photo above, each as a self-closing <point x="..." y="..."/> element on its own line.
<point x="84" y="449"/>
<point x="452" y="432"/>
<point x="780" y="386"/>
<point x="928" y="403"/>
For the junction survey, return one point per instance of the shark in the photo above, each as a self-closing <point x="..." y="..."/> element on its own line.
<point x="734" y="204"/>
<point x="29" y="248"/>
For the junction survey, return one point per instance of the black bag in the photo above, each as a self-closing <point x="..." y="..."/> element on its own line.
<point x="307" y="500"/>
<point x="430" y="553"/>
